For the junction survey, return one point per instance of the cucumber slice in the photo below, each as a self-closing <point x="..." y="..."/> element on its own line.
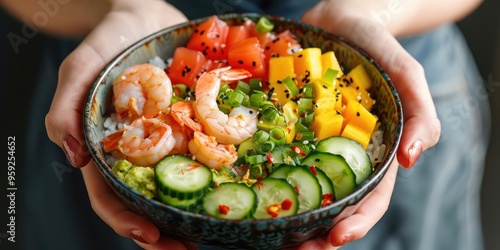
<point x="188" y="205"/>
<point x="230" y="201"/>
<point x="307" y="187"/>
<point x="180" y="177"/>
<point x="352" y="151"/>
<point x="281" y="172"/>
<point x="336" y="168"/>
<point x="305" y="184"/>
<point x="327" y="189"/>
<point x="277" y="198"/>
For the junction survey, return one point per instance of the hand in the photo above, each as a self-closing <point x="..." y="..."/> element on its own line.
<point x="125" y="23"/>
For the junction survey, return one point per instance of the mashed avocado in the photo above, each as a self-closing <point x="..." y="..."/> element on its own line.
<point x="141" y="179"/>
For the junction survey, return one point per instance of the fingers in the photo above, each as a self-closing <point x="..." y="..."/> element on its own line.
<point x="367" y="213"/>
<point x="64" y="119"/>
<point x="167" y="243"/>
<point x="113" y="211"/>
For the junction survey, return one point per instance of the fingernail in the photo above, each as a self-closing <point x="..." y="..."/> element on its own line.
<point x="72" y="149"/>
<point x="346" y="239"/>
<point x="137" y="235"/>
<point x="414" y="152"/>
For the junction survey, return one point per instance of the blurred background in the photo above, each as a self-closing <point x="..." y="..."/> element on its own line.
<point x="482" y="32"/>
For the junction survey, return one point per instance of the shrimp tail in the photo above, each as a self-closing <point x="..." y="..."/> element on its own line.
<point x="110" y="142"/>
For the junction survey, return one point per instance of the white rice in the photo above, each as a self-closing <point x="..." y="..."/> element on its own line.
<point x="376" y="148"/>
<point x="157" y="61"/>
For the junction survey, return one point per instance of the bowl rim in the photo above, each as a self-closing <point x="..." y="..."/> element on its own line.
<point x="357" y="195"/>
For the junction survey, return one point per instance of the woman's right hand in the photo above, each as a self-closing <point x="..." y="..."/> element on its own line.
<point x="125" y="23"/>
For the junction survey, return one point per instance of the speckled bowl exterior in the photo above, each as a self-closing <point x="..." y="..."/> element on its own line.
<point x="240" y="234"/>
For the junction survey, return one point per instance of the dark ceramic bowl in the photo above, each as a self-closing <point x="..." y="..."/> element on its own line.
<point x="248" y="234"/>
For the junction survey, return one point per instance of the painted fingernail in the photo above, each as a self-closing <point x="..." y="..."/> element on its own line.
<point x="137" y="235"/>
<point x="414" y="153"/>
<point x="74" y="152"/>
<point x="346" y="239"/>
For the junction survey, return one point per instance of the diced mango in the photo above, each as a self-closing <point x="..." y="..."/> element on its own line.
<point x="279" y="69"/>
<point x="355" y="114"/>
<point x="324" y="105"/>
<point x="322" y="90"/>
<point x="357" y="134"/>
<point x="307" y="65"/>
<point x="360" y="77"/>
<point x="327" y="124"/>
<point x="351" y="91"/>
<point x="329" y="60"/>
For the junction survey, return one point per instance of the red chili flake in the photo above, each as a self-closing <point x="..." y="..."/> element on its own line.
<point x="260" y="184"/>
<point x="298" y="136"/>
<point x="273" y="210"/>
<point x="286" y="204"/>
<point x="192" y="167"/>
<point x="223" y="209"/>
<point x="270" y="158"/>
<point x="297" y="190"/>
<point x="327" y="199"/>
<point x="313" y="169"/>
<point x="298" y="150"/>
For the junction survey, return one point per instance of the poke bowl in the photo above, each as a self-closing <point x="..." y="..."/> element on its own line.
<point x="329" y="109"/>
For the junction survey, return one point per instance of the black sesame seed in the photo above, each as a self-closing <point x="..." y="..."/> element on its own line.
<point x="338" y="112"/>
<point x="341" y="85"/>
<point x="250" y="111"/>
<point x="357" y="87"/>
<point x="300" y="55"/>
<point x="240" y="61"/>
<point x="214" y="50"/>
<point x="268" y="48"/>
<point x="350" y="79"/>
<point x="317" y="160"/>
<point x="279" y="82"/>
<point x="287" y="95"/>
<point x="254" y="63"/>
<point x="202" y="32"/>
<point x="202" y="43"/>
<point x="325" y="87"/>
<point x="196" y="30"/>
<point x="217" y="35"/>
<point x="358" y="114"/>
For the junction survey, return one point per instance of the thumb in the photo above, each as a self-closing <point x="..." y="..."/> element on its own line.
<point x="64" y="119"/>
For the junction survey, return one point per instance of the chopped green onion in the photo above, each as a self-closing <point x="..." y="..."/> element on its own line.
<point x="254" y="84"/>
<point x="277" y="135"/>
<point x="271" y="114"/>
<point x="256" y="171"/>
<point x="266" y="147"/>
<point x="260" y="136"/>
<point x="266" y="105"/>
<point x="175" y="99"/>
<point x="309" y="117"/>
<point x="224" y="88"/>
<point x="255" y="159"/>
<point x="304" y="136"/>
<point x="330" y="76"/>
<point x="302" y="126"/>
<point x="243" y="87"/>
<point x="180" y="90"/>
<point x="292" y="87"/>
<point x="305" y="104"/>
<point x="225" y="108"/>
<point x="257" y="97"/>
<point x="307" y="90"/>
<point x="235" y="98"/>
<point x="264" y="25"/>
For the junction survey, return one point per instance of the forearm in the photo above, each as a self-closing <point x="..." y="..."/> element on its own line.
<point x="409" y="17"/>
<point x="60" y="17"/>
<point x="405" y="17"/>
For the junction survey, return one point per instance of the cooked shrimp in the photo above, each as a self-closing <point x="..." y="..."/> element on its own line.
<point x="146" y="141"/>
<point x="183" y="113"/>
<point x="111" y="142"/>
<point x="140" y="90"/>
<point x="240" y="124"/>
<point x="180" y="133"/>
<point x="207" y="151"/>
